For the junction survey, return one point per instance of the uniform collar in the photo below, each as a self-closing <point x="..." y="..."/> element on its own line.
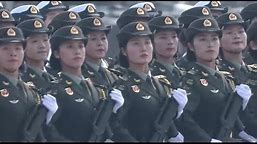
<point x="36" y="70"/>
<point x="13" y="80"/>
<point x="93" y="65"/>
<point x="210" y="70"/>
<point x="140" y="74"/>
<point x="167" y="65"/>
<point x="75" y="78"/>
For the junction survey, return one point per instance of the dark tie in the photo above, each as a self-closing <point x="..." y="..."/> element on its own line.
<point x="149" y="81"/>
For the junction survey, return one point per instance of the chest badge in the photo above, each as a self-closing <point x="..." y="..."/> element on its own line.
<point x="4" y="92"/>
<point x="204" y="82"/>
<point x="146" y="97"/>
<point x="69" y="91"/>
<point x="215" y="91"/>
<point x="135" y="88"/>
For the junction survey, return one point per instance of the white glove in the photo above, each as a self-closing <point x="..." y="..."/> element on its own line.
<point x="215" y="141"/>
<point x="245" y="93"/>
<point x="243" y="135"/>
<point x="50" y="103"/>
<point x="178" y="138"/>
<point x="118" y="98"/>
<point x="180" y="96"/>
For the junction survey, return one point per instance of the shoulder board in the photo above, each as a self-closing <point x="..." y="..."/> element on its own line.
<point x="160" y="76"/>
<point x="225" y="72"/>
<point x="162" y="79"/>
<point x="252" y="67"/>
<point x="30" y="85"/>
<point x="117" y="72"/>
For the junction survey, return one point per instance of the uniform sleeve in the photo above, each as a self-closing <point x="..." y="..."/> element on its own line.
<point x="189" y="127"/>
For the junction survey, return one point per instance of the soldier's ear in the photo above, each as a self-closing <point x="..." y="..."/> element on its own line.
<point x="56" y="54"/>
<point x="253" y="45"/>
<point x="190" y="46"/>
<point x="123" y="51"/>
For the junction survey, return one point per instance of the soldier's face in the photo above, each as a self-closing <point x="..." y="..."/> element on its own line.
<point x="37" y="47"/>
<point x="50" y="15"/>
<point x="165" y="43"/>
<point x="11" y="57"/>
<point x="234" y="39"/>
<point x="97" y="45"/>
<point x="139" y="50"/>
<point x="71" y="54"/>
<point x="205" y="46"/>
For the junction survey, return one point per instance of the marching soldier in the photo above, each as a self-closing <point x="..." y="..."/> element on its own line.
<point x="215" y="6"/>
<point x="166" y="30"/>
<point x="233" y="42"/>
<point x="78" y="98"/>
<point x="36" y="52"/>
<point x="50" y="9"/>
<point x="186" y="18"/>
<point x="209" y="90"/>
<point x="144" y="94"/>
<point x="96" y="49"/>
<point x="6" y="19"/>
<point x="251" y="52"/>
<point x="25" y="12"/>
<point x="17" y="99"/>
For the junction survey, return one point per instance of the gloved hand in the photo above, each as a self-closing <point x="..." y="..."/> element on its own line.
<point x="180" y="96"/>
<point x="178" y="138"/>
<point x="215" y="141"/>
<point x="243" y="135"/>
<point x="245" y="93"/>
<point x="118" y="98"/>
<point x="50" y="103"/>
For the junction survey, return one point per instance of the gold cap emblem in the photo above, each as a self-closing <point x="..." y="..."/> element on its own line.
<point x="168" y="21"/>
<point x="4" y="92"/>
<point x="207" y="23"/>
<point x="37" y="24"/>
<point x="54" y="3"/>
<point x="33" y="10"/>
<point x="97" y="22"/>
<point x="204" y="82"/>
<point x="90" y="9"/>
<point x="215" y="3"/>
<point x="72" y="15"/>
<point x="74" y="30"/>
<point x="205" y="11"/>
<point x="140" y="11"/>
<point x="147" y="7"/>
<point x="135" y="88"/>
<point x="140" y="27"/>
<point x="5" y="15"/>
<point x="11" y="32"/>
<point x="232" y="17"/>
<point x="69" y="91"/>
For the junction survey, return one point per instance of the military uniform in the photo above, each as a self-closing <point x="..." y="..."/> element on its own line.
<point x="250" y="53"/>
<point x="215" y="7"/>
<point x="87" y="10"/>
<point x="6" y="19"/>
<point x="249" y="12"/>
<point x="25" y="12"/>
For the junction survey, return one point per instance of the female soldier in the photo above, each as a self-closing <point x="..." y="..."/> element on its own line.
<point x="233" y="43"/>
<point x="36" y="52"/>
<point x="17" y="99"/>
<point x="210" y="93"/>
<point x="77" y="97"/>
<point x="166" y="30"/>
<point x="96" y="48"/>
<point x="144" y="95"/>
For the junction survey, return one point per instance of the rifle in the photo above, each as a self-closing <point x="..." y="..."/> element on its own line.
<point x="34" y="123"/>
<point x="102" y="116"/>
<point x="165" y="118"/>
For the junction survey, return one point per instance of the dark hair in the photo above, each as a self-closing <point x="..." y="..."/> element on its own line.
<point x="55" y="62"/>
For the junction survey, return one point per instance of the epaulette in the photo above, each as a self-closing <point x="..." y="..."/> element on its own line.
<point x="163" y="79"/>
<point x="227" y="74"/>
<point x="252" y="67"/>
<point x="117" y="72"/>
<point x="30" y="85"/>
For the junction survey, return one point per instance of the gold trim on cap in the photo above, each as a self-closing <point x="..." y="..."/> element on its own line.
<point x="72" y="15"/>
<point x="205" y="11"/>
<point x="97" y="22"/>
<point x="140" y="27"/>
<point x="90" y="9"/>
<point x="74" y="30"/>
<point x="37" y="24"/>
<point x="207" y="23"/>
<point x="232" y="17"/>
<point x="54" y="3"/>
<point x="5" y="15"/>
<point x="147" y="7"/>
<point x="33" y="10"/>
<point x="11" y="32"/>
<point x="215" y="3"/>
<point x="168" y="21"/>
<point x="140" y="11"/>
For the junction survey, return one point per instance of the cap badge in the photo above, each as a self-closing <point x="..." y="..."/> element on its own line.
<point x="69" y="91"/>
<point x="147" y="7"/>
<point x="37" y="24"/>
<point x="11" y="32"/>
<point x="90" y="9"/>
<point x="140" y="27"/>
<point x="5" y="15"/>
<point x="33" y="10"/>
<point x="135" y="88"/>
<point x="72" y="15"/>
<point x="97" y="22"/>
<point x="215" y="3"/>
<point x="168" y="21"/>
<point x="74" y="30"/>
<point x="207" y="23"/>
<point x="54" y="3"/>
<point x="140" y="11"/>
<point x="204" y="82"/>
<point x="205" y="11"/>
<point x="232" y="17"/>
<point x="4" y="92"/>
